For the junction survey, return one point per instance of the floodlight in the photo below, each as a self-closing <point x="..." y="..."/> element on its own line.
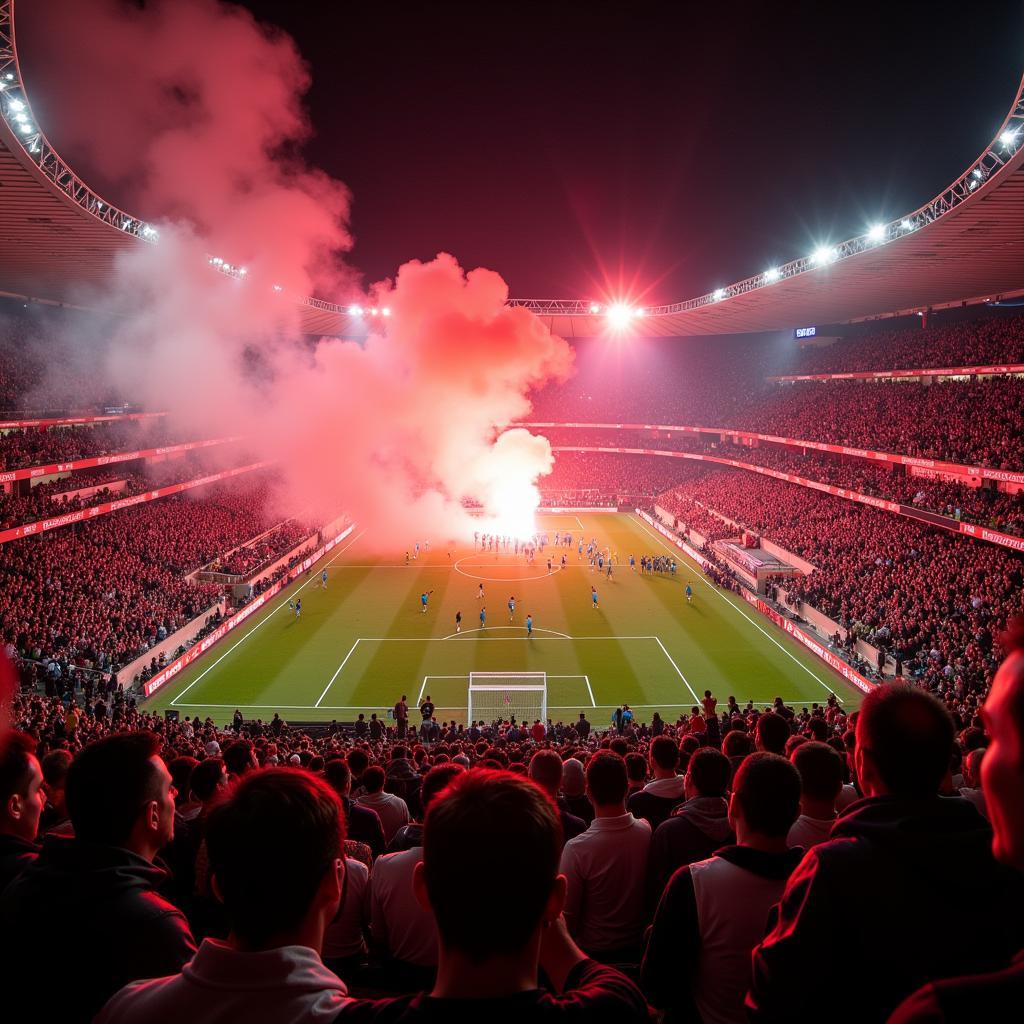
<point x="355" y="310"/>
<point x="718" y="294"/>
<point x="385" y="311"/>
<point x="639" y="311"/>
<point x="619" y="314"/>
<point x="595" y="308"/>
<point x="278" y="288"/>
<point x="907" y="225"/>
<point x="876" y="232"/>
<point x="25" y="128"/>
<point x="15" y="105"/>
<point x="1009" y="137"/>
<point x="823" y="254"/>
<point x="243" y="271"/>
<point x="772" y="274"/>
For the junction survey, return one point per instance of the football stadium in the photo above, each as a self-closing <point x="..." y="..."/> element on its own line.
<point x="381" y="643"/>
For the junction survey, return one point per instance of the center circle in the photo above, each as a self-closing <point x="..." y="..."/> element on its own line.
<point x="515" y="572"/>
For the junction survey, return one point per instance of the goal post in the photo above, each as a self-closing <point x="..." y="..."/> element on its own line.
<point x="495" y="696"/>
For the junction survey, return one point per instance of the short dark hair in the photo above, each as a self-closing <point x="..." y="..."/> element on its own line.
<point x="280" y="830"/>
<point x="772" y="732"/>
<point x="373" y="778"/>
<point x="665" y="752"/>
<point x="636" y="767"/>
<point x="606" y="778"/>
<point x="16" y="750"/>
<point x="55" y="768"/>
<point x="486" y="825"/>
<point x="205" y="778"/>
<point x="357" y="761"/>
<point x="710" y="771"/>
<point x="546" y="770"/>
<point x="820" y="768"/>
<point x="181" y="769"/>
<point x="767" y="787"/>
<point x="109" y="783"/>
<point x="435" y="781"/>
<point x="238" y="757"/>
<point x="338" y="775"/>
<point x="908" y="735"/>
<point x="736" y="743"/>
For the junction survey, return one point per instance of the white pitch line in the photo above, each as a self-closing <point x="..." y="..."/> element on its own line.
<point x="715" y="590"/>
<point x="679" y="670"/>
<point x="537" y="629"/>
<point x="590" y="691"/>
<point x="242" y="639"/>
<point x="337" y="672"/>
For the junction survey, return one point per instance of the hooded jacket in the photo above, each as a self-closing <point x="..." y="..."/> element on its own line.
<point x="101" y="903"/>
<point x="693" y="832"/>
<point x="894" y="897"/>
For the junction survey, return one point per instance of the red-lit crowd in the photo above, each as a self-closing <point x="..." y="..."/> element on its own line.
<point x="739" y="864"/>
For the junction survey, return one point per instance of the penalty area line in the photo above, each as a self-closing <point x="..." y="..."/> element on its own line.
<point x="677" y="668"/>
<point x="337" y="672"/>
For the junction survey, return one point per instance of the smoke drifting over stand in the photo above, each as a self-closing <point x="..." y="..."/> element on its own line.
<point x="399" y="429"/>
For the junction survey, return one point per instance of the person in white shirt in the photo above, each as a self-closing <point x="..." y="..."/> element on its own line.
<point x="606" y="867"/>
<point x="392" y="810"/>
<point x="713" y="912"/>
<point x="400" y="927"/>
<point x="821" y="780"/>
<point x="344" y="945"/>
<point x="276" y="860"/>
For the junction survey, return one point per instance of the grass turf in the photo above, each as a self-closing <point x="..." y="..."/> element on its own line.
<point x="363" y="641"/>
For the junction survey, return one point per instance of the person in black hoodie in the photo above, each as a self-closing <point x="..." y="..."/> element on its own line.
<point x="697" y="827"/>
<point x="987" y="996"/>
<point x="713" y="912"/>
<point x="21" y="803"/>
<point x="887" y="874"/>
<point x="363" y="823"/>
<point x="98" y="891"/>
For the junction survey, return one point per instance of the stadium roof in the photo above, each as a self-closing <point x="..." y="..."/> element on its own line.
<point x="59" y="239"/>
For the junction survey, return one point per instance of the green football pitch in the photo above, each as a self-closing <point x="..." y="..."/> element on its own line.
<point x="363" y="642"/>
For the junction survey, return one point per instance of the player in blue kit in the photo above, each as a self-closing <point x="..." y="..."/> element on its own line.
<point x="511" y="608"/>
<point x="593" y="597"/>
<point x="483" y="618"/>
<point x="689" y="594"/>
<point x="529" y="625"/>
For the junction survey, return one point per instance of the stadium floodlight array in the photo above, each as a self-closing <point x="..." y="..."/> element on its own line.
<point x="497" y="696"/>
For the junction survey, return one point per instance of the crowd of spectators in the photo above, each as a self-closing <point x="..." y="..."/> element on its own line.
<point x="44" y="445"/>
<point x="103" y="592"/>
<point x="598" y="478"/>
<point x="934" y="600"/>
<point x="255" y="871"/>
<point x="250" y="558"/>
<point x="994" y="341"/>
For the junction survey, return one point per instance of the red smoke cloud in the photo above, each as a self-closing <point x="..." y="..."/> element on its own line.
<point x="194" y="110"/>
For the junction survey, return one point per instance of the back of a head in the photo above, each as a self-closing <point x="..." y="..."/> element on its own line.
<point x="109" y="782"/>
<point x="573" y="777"/>
<point x="435" y="781"/>
<point x="636" y="767"/>
<point x="357" y="762"/>
<point x="820" y="768"/>
<point x="767" y="787"/>
<point x="55" y="768"/>
<point x="490" y="825"/>
<point x="181" y="772"/>
<point x="207" y="777"/>
<point x="908" y="735"/>
<point x="238" y="757"/>
<point x="546" y="770"/>
<point x="607" y="781"/>
<point x="736" y="744"/>
<point x="270" y="843"/>
<point x="373" y="779"/>
<point x="772" y="733"/>
<point x="665" y="753"/>
<point x="338" y="775"/>
<point x="709" y="772"/>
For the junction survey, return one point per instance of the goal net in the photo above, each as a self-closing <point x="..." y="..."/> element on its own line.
<point x="505" y="695"/>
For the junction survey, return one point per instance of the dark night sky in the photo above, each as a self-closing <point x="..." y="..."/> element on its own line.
<point x="659" y="150"/>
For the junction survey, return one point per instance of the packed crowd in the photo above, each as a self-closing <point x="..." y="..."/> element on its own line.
<point x="594" y="478"/>
<point x="257" y="872"/>
<point x="104" y="591"/>
<point x="933" y="599"/>
<point x="250" y="558"/>
<point x="970" y="343"/>
<point x="44" y="445"/>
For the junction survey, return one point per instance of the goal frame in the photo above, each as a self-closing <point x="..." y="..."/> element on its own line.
<point x="532" y="682"/>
